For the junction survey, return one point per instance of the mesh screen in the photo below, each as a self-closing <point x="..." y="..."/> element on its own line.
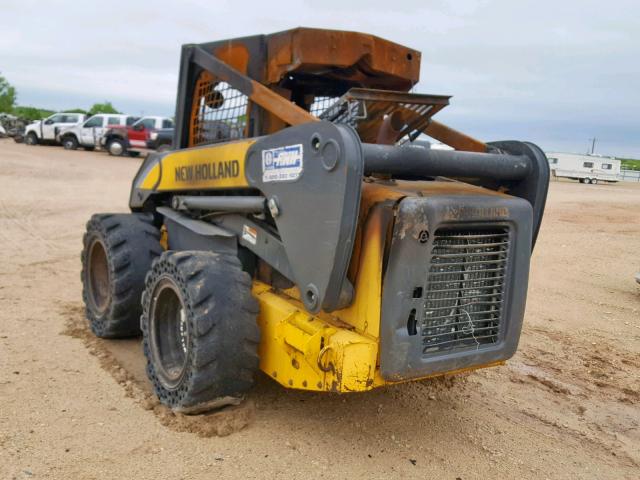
<point x="465" y="285"/>
<point x="219" y="114"/>
<point x="320" y="104"/>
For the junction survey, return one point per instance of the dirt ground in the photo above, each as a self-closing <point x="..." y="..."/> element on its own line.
<point x="566" y="406"/>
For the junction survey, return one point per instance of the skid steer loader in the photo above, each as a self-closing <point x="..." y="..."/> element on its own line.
<point x="303" y="228"/>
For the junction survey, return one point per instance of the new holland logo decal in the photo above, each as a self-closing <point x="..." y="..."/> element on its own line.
<point x="207" y="171"/>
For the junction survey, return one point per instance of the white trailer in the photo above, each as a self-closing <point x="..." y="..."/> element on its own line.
<point x="584" y="168"/>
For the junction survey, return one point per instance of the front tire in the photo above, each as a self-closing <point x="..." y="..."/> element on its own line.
<point x="199" y="328"/>
<point x="70" y="142"/>
<point x="117" y="254"/>
<point x="31" y="139"/>
<point x="116" y="147"/>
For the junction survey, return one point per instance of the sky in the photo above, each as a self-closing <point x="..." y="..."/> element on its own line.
<point x="556" y="73"/>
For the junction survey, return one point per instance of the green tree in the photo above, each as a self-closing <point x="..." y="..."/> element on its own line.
<point x="7" y="96"/>
<point x="105" y="107"/>
<point x="31" y="113"/>
<point x="75" y="110"/>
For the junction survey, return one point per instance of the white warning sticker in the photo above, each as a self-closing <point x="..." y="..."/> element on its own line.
<point x="282" y="164"/>
<point x="250" y="234"/>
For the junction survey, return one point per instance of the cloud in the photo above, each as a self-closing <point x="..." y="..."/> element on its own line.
<point x="556" y="73"/>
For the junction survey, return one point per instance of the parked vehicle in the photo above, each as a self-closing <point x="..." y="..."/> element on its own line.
<point x="47" y="130"/>
<point x="332" y="263"/>
<point x="89" y="134"/>
<point x="584" y="168"/>
<point x="133" y="139"/>
<point x="161" y="140"/>
<point x="12" y="126"/>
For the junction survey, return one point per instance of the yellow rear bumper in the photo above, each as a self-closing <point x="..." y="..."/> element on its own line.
<point x="316" y="352"/>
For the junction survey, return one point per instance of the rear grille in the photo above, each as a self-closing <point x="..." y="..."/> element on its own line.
<point x="465" y="287"/>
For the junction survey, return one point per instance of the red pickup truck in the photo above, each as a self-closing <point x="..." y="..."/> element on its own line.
<point x="132" y="140"/>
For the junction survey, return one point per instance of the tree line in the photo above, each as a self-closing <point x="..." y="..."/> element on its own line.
<point x="9" y="97"/>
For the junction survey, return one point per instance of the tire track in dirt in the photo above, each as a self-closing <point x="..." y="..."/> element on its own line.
<point x="219" y="423"/>
<point x="595" y="385"/>
<point x="559" y="409"/>
<point x="23" y="231"/>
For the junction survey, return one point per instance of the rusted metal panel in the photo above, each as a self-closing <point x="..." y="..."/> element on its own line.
<point x="355" y="58"/>
<point x="207" y="98"/>
<point x="286" y="71"/>
<point x="383" y="116"/>
<point x="236" y="55"/>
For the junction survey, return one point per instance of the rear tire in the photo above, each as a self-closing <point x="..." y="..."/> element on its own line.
<point x="199" y="328"/>
<point x="117" y="254"/>
<point x="31" y="139"/>
<point x="594" y="181"/>
<point x="70" y="142"/>
<point x="116" y="147"/>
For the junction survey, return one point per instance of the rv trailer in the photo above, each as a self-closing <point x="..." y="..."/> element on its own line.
<point x="584" y="168"/>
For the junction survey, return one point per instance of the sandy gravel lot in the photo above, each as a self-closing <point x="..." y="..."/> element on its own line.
<point x="566" y="406"/>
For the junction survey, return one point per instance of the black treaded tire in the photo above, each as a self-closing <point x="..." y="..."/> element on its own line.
<point x="116" y="147"/>
<point x="117" y="254"/>
<point x="70" y="142"/>
<point x="31" y="139"/>
<point x="199" y="328"/>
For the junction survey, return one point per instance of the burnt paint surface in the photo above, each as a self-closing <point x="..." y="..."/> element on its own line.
<point x="401" y="353"/>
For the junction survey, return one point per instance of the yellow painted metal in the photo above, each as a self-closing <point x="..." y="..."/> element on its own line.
<point x="327" y="352"/>
<point x="203" y="168"/>
<point x="364" y="312"/>
<point x="303" y="351"/>
<point x="338" y="351"/>
<point x="308" y="352"/>
<point x="164" y="237"/>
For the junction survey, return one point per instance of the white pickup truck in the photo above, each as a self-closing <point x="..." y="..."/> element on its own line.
<point x="89" y="133"/>
<point x="46" y="130"/>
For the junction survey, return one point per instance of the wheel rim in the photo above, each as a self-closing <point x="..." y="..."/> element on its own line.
<point x="98" y="277"/>
<point x="116" y="148"/>
<point x="68" y="144"/>
<point x="168" y="333"/>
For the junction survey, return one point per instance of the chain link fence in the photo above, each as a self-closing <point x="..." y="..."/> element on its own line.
<point x="629" y="175"/>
